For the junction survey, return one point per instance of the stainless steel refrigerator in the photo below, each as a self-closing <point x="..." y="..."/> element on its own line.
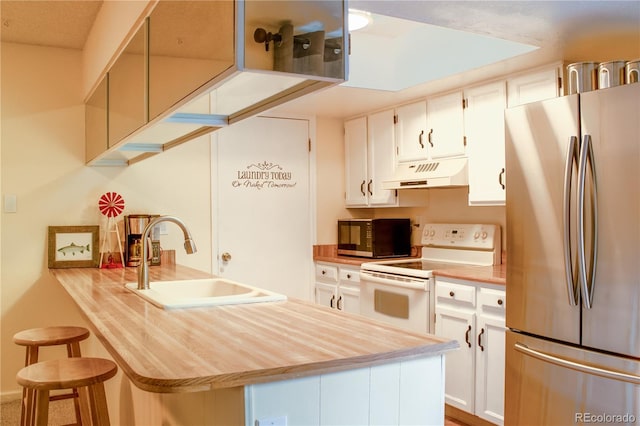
<point x="573" y="259"/>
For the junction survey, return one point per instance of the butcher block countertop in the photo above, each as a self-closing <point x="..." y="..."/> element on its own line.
<point x="496" y="274"/>
<point x="197" y="349"/>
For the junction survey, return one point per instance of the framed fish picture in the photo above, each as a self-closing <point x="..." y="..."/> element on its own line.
<point x="74" y="246"/>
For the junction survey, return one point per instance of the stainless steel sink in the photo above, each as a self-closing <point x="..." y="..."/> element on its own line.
<point x="202" y="292"/>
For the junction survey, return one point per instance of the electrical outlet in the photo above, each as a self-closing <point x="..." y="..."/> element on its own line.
<point x="163" y="228"/>
<point x="418" y="222"/>
<point x="272" y="421"/>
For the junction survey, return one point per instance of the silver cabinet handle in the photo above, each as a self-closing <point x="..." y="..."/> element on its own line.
<point x="587" y="277"/>
<point x="577" y="366"/>
<point x="572" y="159"/>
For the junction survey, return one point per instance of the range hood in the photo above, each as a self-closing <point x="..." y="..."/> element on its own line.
<point x="208" y="65"/>
<point x="444" y="172"/>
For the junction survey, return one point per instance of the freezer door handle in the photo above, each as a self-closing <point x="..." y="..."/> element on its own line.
<point x="571" y="280"/>
<point x="577" y="366"/>
<point x="587" y="277"/>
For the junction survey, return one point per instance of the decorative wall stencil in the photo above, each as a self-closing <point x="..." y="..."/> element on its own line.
<point x="264" y="175"/>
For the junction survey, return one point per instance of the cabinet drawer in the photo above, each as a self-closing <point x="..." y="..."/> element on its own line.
<point x="492" y="300"/>
<point x="457" y="294"/>
<point x="349" y="276"/>
<point x="327" y="273"/>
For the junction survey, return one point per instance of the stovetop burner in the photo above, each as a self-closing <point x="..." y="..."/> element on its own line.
<point x="426" y="265"/>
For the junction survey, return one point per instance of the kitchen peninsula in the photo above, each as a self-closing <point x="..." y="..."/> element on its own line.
<point x="291" y="361"/>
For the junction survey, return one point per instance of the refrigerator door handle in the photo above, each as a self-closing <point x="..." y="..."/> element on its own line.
<point x="571" y="280"/>
<point x="577" y="366"/>
<point x="587" y="277"/>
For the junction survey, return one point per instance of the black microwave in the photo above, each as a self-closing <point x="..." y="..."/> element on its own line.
<point x="375" y="238"/>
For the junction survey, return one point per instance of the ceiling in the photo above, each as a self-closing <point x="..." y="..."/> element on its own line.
<point x="563" y="30"/>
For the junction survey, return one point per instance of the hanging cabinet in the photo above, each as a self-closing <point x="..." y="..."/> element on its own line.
<point x="194" y="67"/>
<point x="96" y="121"/>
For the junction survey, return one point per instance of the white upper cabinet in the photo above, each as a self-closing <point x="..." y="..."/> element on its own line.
<point x="484" y="127"/>
<point x="445" y="126"/>
<point x="411" y="138"/>
<point x="535" y="86"/>
<point x="355" y="152"/>
<point x="381" y="153"/>
<point x="431" y="128"/>
<point x="369" y="160"/>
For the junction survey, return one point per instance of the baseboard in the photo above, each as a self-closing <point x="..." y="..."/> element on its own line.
<point x="10" y="396"/>
<point x="464" y="417"/>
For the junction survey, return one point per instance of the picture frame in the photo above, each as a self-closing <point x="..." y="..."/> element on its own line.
<point x="74" y="246"/>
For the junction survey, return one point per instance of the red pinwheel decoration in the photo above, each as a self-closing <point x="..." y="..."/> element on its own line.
<point x="111" y="204"/>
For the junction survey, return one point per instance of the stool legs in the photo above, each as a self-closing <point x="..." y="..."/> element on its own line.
<point x="41" y="408"/>
<point x="98" y="415"/>
<point x="98" y="401"/>
<point x="80" y="400"/>
<point x="28" y="409"/>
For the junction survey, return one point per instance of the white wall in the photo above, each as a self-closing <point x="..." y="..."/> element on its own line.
<point x="42" y="163"/>
<point x="330" y="185"/>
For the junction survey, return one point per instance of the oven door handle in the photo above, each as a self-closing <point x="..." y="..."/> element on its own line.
<point x="404" y="282"/>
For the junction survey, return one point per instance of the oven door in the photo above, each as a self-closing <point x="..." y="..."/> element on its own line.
<point x="401" y="301"/>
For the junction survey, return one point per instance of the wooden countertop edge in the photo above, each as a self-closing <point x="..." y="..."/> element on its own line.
<point x="221" y="381"/>
<point x="225" y="380"/>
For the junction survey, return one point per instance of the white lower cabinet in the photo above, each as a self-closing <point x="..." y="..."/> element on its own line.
<point x="473" y="314"/>
<point x="338" y="286"/>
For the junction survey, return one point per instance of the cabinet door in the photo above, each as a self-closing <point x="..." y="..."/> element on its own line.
<point x="484" y="126"/>
<point x="533" y="87"/>
<point x="128" y="89"/>
<point x="186" y="50"/>
<point x="411" y="137"/>
<point x="96" y="121"/>
<point x="326" y="294"/>
<point x="490" y="362"/>
<point x="458" y="324"/>
<point x="381" y="158"/>
<point x="348" y="299"/>
<point x="355" y="144"/>
<point x="445" y="124"/>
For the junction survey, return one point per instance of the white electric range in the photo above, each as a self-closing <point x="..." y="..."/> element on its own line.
<point x="401" y="291"/>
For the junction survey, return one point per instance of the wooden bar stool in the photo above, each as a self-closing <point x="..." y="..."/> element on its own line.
<point x="69" y="373"/>
<point x="33" y="339"/>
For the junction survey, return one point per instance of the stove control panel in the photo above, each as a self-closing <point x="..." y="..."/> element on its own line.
<point x="467" y="236"/>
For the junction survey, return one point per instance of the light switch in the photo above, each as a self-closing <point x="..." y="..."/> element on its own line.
<point x="10" y="203"/>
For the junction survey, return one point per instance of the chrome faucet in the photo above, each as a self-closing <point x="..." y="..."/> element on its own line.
<point x="143" y="268"/>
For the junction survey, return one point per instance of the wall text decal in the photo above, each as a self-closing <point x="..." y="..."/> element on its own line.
<point x="264" y="175"/>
